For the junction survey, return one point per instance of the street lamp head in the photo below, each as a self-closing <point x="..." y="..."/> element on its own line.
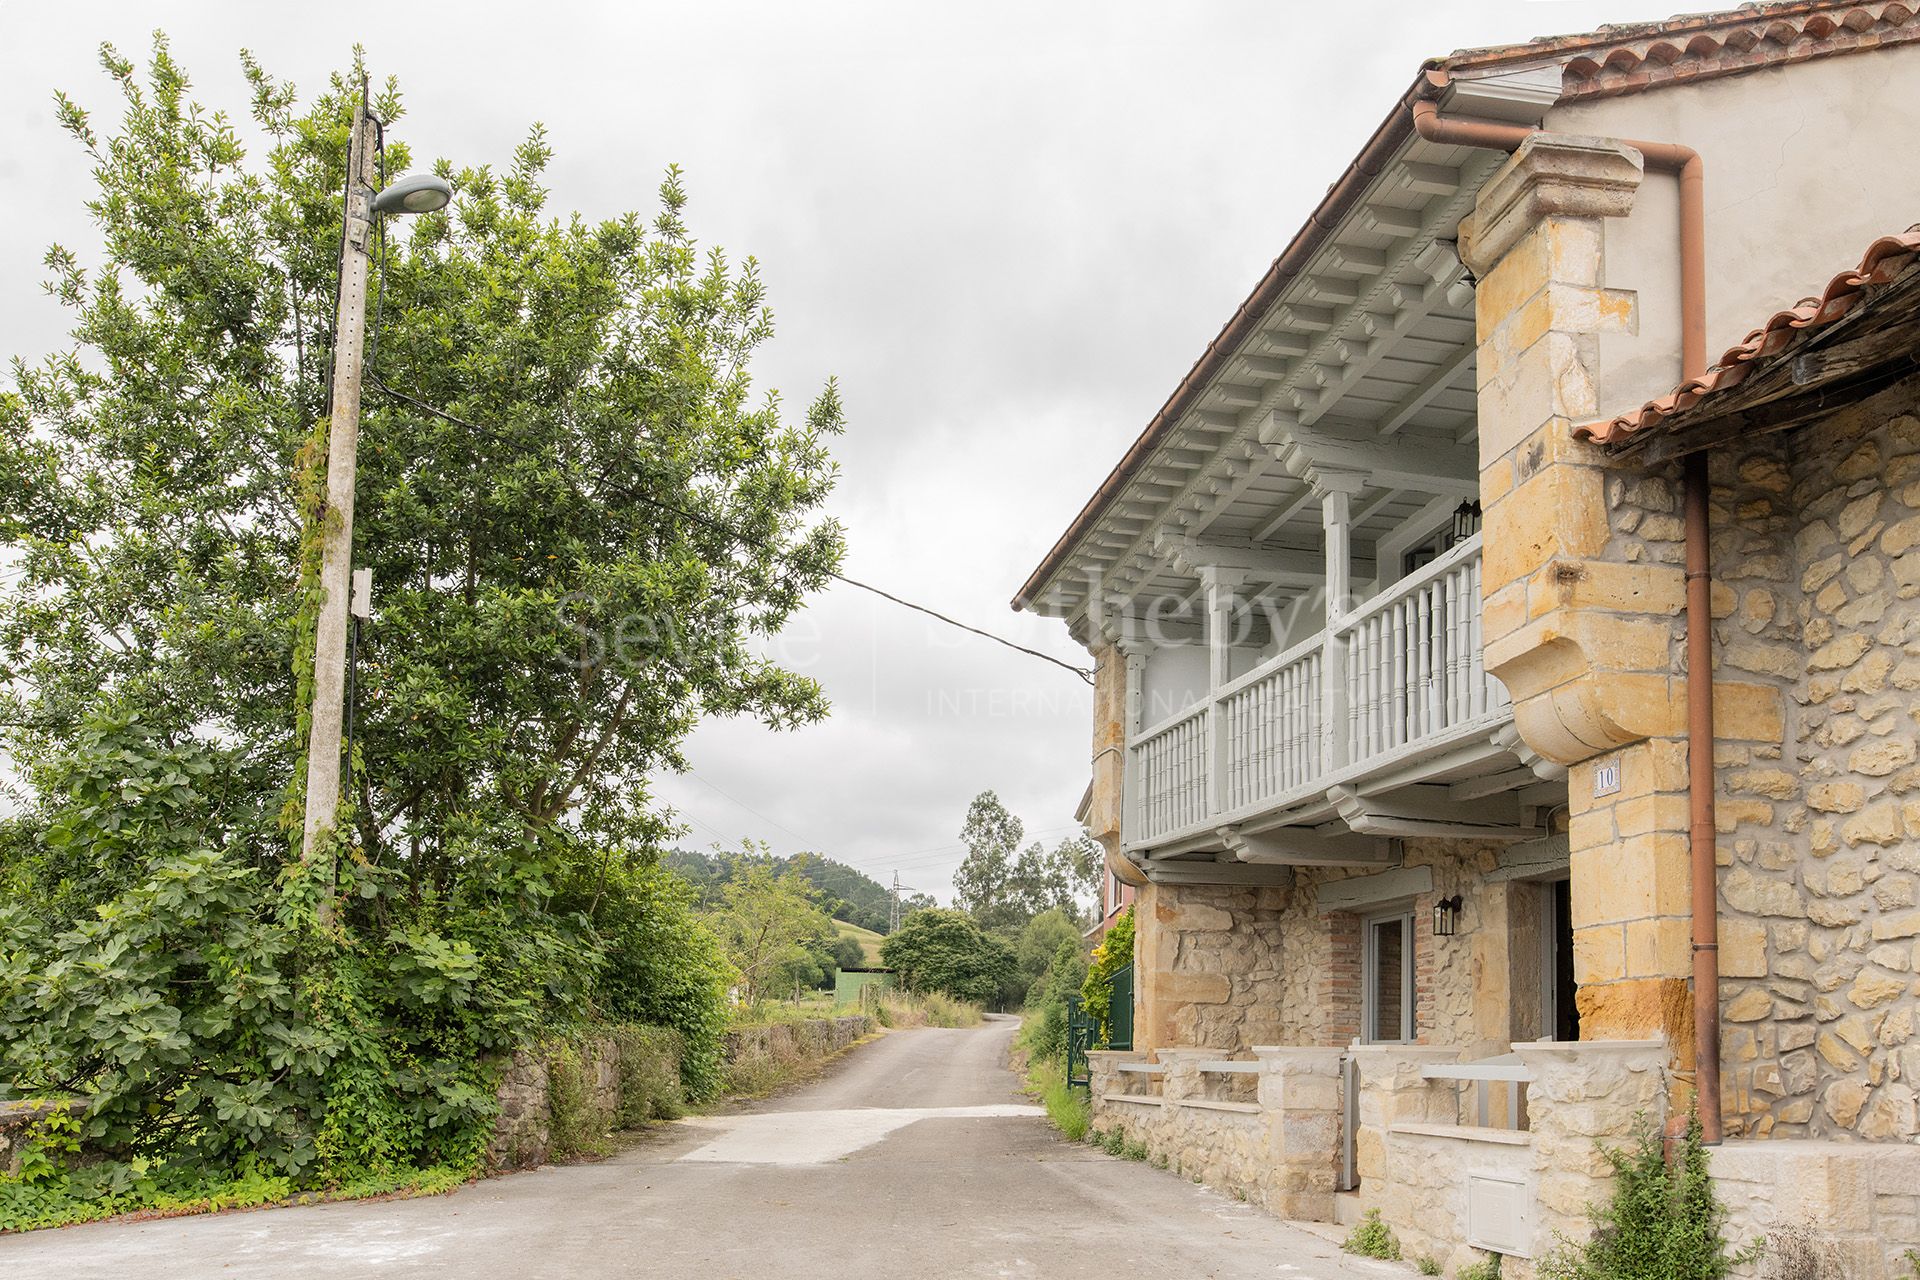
<point x="416" y="193"/>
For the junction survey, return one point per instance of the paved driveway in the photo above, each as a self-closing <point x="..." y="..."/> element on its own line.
<point x="916" y="1157"/>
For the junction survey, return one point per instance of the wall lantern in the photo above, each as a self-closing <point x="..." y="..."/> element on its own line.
<point x="1446" y="916"/>
<point x="1466" y="523"/>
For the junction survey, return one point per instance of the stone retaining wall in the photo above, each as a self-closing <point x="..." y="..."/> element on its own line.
<point x="16" y="1121"/>
<point x="815" y="1038"/>
<point x="523" y="1130"/>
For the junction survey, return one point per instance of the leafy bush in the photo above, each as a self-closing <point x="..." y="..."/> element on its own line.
<point x="1044" y="1033"/>
<point x="1372" y="1238"/>
<point x="650" y="1081"/>
<point x="1114" y="953"/>
<point x="1487" y="1268"/>
<point x="1662" y="1220"/>
<point x="944" y="951"/>
<point x="662" y="967"/>
<point x="1426" y="1265"/>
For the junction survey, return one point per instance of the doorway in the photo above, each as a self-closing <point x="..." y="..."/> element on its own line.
<point x="1562" y="1021"/>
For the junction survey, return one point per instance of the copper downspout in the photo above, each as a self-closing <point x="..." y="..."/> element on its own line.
<point x="1667" y="157"/>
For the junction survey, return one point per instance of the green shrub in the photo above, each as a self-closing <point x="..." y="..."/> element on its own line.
<point x="1043" y="1033"/>
<point x="650" y="1083"/>
<point x="1372" y="1238"/>
<point x="1111" y="1141"/>
<point x="1662" y="1220"/>
<point x="662" y="967"/>
<point x="1114" y="953"/>
<point x="577" y="1123"/>
<point x="1426" y="1265"/>
<point x="1487" y="1268"/>
<point x="1133" y="1149"/>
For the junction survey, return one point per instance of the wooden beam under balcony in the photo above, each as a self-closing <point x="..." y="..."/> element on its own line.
<point x="1432" y="811"/>
<point x="1309" y="847"/>
<point x="1198" y="871"/>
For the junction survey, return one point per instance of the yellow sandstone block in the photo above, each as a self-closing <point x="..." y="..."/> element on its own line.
<point x="1754" y="712"/>
<point x="1599" y="956"/>
<point x="1659" y="948"/>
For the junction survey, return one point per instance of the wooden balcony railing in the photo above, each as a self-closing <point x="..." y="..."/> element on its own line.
<point x="1402" y="669"/>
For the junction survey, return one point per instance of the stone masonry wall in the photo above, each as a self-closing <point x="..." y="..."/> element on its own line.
<point x="522" y="1131"/>
<point x="1457" y="982"/>
<point x="1817" y="588"/>
<point x="1208" y="966"/>
<point x="1229" y="968"/>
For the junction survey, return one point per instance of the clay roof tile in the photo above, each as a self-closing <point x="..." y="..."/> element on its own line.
<point x="1885" y="259"/>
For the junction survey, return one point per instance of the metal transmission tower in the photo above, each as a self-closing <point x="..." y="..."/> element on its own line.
<point x="893" y="915"/>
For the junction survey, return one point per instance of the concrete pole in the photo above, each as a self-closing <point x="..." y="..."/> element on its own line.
<point x="336" y="545"/>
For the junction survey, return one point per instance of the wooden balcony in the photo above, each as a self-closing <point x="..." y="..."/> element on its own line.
<point x="1385" y="723"/>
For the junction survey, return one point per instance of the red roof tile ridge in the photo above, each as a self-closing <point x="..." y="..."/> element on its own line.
<point x="1630" y="57"/>
<point x="1886" y="259"/>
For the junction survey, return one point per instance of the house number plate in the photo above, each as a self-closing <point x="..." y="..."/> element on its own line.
<point x="1606" y="779"/>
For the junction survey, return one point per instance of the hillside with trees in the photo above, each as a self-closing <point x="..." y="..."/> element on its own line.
<point x="846" y="893"/>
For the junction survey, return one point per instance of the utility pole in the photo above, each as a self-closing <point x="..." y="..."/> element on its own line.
<point x="420" y="193"/>
<point x="336" y="523"/>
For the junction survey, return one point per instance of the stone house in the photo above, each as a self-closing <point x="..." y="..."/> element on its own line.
<point x="1445" y="869"/>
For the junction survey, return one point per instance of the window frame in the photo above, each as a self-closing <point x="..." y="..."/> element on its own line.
<point x="1369" y="965"/>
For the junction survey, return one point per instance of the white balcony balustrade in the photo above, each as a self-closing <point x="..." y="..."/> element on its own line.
<point x="1398" y="674"/>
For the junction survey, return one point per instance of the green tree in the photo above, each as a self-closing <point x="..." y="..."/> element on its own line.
<point x="983" y="885"/>
<point x="848" y="953"/>
<point x="945" y="951"/>
<point x="1003" y="886"/>
<point x="576" y="542"/>
<point x="549" y="626"/>
<point x="1040" y="941"/>
<point x="770" y="926"/>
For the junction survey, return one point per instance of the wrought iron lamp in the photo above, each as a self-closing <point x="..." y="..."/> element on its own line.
<point x="1446" y="916"/>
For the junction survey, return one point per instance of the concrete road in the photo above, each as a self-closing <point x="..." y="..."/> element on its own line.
<point x="915" y="1157"/>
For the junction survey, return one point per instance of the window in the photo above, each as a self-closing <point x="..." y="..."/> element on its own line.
<point x="1387" y="1013"/>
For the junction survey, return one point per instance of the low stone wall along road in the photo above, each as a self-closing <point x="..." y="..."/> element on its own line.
<point x="916" y="1156"/>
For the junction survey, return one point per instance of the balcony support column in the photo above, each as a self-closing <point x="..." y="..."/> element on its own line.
<point x="1336" y="490"/>
<point x="1220" y="583"/>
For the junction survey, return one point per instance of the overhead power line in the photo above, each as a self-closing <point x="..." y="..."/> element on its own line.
<point x="747" y="539"/>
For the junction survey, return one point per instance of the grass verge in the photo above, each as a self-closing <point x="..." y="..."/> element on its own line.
<point x="26" y="1212"/>
<point x="1069" y="1110"/>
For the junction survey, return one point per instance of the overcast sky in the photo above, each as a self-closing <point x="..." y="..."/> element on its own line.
<point x="1008" y="228"/>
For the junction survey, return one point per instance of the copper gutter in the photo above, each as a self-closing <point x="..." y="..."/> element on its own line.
<point x="1667" y="157"/>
